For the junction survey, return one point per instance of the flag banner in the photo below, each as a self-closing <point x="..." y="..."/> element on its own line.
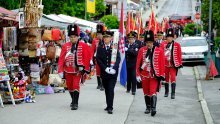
<point x="122" y="69"/>
<point x="90" y="5"/>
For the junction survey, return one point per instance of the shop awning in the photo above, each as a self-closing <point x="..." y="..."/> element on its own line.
<point x="8" y="15"/>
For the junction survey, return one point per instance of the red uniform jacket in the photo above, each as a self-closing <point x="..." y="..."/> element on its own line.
<point x="95" y="44"/>
<point x="176" y="54"/>
<point x="69" y="62"/>
<point x="157" y="63"/>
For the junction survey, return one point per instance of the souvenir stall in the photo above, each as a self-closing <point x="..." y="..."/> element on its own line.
<point x="12" y="84"/>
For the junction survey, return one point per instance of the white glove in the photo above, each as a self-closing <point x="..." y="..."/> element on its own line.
<point x="126" y="49"/>
<point x="80" y="68"/>
<point x="112" y="71"/>
<point x="91" y="62"/>
<point x="61" y="75"/>
<point x="138" y="79"/>
<point x="107" y="70"/>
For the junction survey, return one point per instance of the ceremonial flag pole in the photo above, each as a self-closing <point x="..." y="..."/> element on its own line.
<point x="122" y="69"/>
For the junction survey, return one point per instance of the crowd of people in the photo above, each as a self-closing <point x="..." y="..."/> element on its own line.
<point x="154" y="58"/>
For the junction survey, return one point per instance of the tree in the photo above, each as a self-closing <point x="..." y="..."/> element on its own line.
<point x="68" y="7"/>
<point x="110" y="21"/>
<point x="215" y="14"/>
<point x="190" y="29"/>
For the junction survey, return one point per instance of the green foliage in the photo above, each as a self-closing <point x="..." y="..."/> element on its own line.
<point x="190" y="29"/>
<point x="215" y="14"/>
<point x="11" y="4"/>
<point x="68" y="7"/>
<point x="110" y="21"/>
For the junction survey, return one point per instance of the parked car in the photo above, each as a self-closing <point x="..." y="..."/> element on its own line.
<point x="193" y="49"/>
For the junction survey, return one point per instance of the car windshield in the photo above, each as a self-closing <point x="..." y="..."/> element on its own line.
<point x="193" y="42"/>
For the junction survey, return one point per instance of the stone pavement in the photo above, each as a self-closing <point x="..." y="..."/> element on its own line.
<point x="185" y="109"/>
<point x="54" y="109"/>
<point x="211" y="94"/>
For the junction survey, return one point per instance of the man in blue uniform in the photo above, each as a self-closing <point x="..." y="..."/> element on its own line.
<point x="131" y="50"/>
<point x="109" y="72"/>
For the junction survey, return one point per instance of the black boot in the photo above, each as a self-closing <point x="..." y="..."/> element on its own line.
<point x="147" y="102"/>
<point x="173" y="88"/>
<point x="99" y="82"/>
<point x="71" y="94"/>
<point x="153" y="105"/>
<point x="166" y="89"/>
<point x="76" y="98"/>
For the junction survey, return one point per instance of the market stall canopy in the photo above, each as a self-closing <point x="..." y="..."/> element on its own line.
<point x="8" y="15"/>
<point x="48" y="22"/>
<point x="78" y="21"/>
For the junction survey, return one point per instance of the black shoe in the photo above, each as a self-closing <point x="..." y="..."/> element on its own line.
<point x="110" y="111"/>
<point x="147" y="111"/>
<point x="166" y="89"/>
<point x="98" y="87"/>
<point x="102" y="88"/>
<point x="71" y="104"/>
<point x="74" y="107"/>
<point x="133" y="93"/>
<point x="127" y="91"/>
<point x="173" y="88"/>
<point x="106" y="109"/>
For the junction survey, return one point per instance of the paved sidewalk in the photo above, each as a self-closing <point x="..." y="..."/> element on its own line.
<point x="54" y="109"/>
<point x="185" y="109"/>
<point x="211" y="94"/>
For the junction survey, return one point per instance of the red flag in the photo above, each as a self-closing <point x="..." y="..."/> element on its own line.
<point x="139" y="25"/>
<point x="152" y="21"/>
<point x="128" y="26"/>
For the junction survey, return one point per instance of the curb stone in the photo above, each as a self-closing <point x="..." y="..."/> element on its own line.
<point x="205" y="109"/>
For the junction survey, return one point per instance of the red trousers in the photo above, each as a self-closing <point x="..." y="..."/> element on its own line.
<point x="73" y="81"/>
<point x="170" y="74"/>
<point x="149" y="86"/>
<point x="98" y="71"/>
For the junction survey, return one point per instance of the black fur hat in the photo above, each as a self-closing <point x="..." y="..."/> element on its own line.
<point x="73" y="30"/>
<point x="149" y="36"/>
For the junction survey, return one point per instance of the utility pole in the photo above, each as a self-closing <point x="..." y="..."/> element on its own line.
<point x="209" y="39"/>
<point x="85" y="9"/>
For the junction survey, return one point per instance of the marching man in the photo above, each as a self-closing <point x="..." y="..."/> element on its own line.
<point x="96" y="42"/>
<point x="173" y="61"/>
<point x="74" y="61"/>
<point x="150" y="71"/>
<point x="109" y="68"/>
<point x="131" y="51"/>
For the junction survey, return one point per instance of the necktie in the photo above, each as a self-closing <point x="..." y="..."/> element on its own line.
<point x="107" y="48"/>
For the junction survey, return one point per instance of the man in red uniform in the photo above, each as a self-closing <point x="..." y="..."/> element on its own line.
<point x="74" y="61"/>
<point x="96" y="42"/>
<point x="150" y="71"/>
<point x="173" y="61"/>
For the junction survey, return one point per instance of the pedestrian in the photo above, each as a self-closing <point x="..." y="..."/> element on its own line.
<point x="109" y="72"/>
<point x="95" y="43"/>
<point x="141" y="38"/>
<point x="74" y="63"/>
<point x="173" y="61"/>
<point x="131" y="51"/>
<point x="150" y="71"/>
